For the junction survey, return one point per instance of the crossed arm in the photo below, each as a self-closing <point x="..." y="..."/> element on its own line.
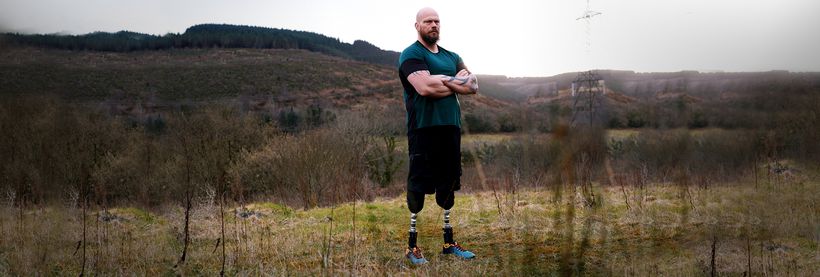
<point x="438" y="86"/>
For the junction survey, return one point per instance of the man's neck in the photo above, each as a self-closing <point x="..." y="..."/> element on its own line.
<point x="433" y="48"/>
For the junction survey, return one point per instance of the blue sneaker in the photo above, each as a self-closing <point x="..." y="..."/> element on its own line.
<point x="415" y="256"/>
<point x="457" y="250"/>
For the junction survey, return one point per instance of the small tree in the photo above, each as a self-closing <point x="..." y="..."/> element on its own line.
<point x="382" y="162"/>
<point x="289" y="120"/>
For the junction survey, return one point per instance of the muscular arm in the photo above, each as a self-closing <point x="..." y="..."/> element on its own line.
<point x="437" y="86"/>
<point x="429" y="85"/>
<point x="463" y="83"/>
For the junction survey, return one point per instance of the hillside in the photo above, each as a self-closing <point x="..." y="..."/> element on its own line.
<point x="713" y="87"/>
<point x="269" y="77"/>
<point x="273" y="69"/>
<point x="208" y="36"/>
<point x="211" y="61"/>
<point x="671" y="100"/>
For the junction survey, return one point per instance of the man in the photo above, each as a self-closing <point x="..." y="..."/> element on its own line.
<point x="432" y="77"/>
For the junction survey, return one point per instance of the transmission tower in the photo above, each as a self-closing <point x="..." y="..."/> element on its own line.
<point x="588" y="90"/>
<point x="588" y="87"/>
<point x="587" y="17"/>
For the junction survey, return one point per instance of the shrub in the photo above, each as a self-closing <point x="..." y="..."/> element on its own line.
<point x="319" y="167"/>
<point x="722" y="155"/>
<point x="634" y="119"/>
<point x="660" y="151"/>
<point x="289" y="120"/>
<point x="316" y="116"/>
<point x="383" y="161"/>
<point x="479" y="123"/>
<point x="508" y="123"/>
<point x="698" y="120"/>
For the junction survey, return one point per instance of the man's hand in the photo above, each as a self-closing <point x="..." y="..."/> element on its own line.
<point x="463" y="83"/>
<point x="463" y="73"/>
<point x="428" y="85"/>
<point x="438" y="86"/>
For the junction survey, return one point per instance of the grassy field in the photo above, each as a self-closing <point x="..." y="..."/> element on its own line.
<point x="772" y="229"/>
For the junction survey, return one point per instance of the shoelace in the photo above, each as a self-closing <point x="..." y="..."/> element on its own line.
<point x="416" y="252"/>
<point x="457" y="246"/>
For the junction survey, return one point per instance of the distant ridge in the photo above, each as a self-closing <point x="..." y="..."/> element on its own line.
<point x="209" y="36"/>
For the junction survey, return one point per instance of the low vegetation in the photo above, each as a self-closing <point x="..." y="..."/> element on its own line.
<point x="650" y="230"/>
<point x="206" y="162"/>
<point x="88" y="192"/>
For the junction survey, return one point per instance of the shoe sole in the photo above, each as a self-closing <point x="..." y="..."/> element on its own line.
<point x="454" y="255"/>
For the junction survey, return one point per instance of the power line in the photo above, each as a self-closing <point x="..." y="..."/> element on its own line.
<point x="588" y="87"/>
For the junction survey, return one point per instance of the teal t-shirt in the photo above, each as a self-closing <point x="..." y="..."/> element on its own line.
<point x="422" y="111"/>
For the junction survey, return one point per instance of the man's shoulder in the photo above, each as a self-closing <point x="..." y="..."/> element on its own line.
<point x="448" y="52"/>
<point x="414" y="51"/>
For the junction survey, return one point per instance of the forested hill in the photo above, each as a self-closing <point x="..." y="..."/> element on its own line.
<point x="209" y="36"/>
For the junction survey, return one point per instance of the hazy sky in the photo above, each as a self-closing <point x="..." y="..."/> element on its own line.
<point x="511" y="37"/>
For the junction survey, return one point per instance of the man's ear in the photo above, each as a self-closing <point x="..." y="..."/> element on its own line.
<point x="416" y="25"/>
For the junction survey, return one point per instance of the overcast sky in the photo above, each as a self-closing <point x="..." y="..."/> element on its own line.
<point x="510" y="37"/>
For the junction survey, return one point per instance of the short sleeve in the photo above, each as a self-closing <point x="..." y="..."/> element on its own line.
<point x="459" y="63"/>
<point x="411" y="65"/>
<point x="460" y="66"/>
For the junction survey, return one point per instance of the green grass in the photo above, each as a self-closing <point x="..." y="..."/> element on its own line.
<point x="131" y="213"/>
<point x="659" y="234"/>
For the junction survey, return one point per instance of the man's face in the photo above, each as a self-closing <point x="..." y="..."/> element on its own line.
<point x="428" y="27"/>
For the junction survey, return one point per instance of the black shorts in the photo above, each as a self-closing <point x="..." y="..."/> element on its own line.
<point x="435" y="159"/>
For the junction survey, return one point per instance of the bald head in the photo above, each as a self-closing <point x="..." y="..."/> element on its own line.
<point x="425" y="12"/>
<point x="427" y="25"/>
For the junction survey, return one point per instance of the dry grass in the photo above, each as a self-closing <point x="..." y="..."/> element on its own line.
<point x="772" y="230"/>
<point x="486" y="138"/>
<point x="622" y="133"/>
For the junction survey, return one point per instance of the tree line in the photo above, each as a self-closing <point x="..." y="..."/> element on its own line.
<point x="208" y="36"/>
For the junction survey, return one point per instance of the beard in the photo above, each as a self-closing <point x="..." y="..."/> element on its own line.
<point x="429" y="38"/>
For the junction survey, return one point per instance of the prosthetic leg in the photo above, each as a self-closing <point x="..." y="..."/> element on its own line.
<point x="415" y="202"/>
<point x="446" y="201"/>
